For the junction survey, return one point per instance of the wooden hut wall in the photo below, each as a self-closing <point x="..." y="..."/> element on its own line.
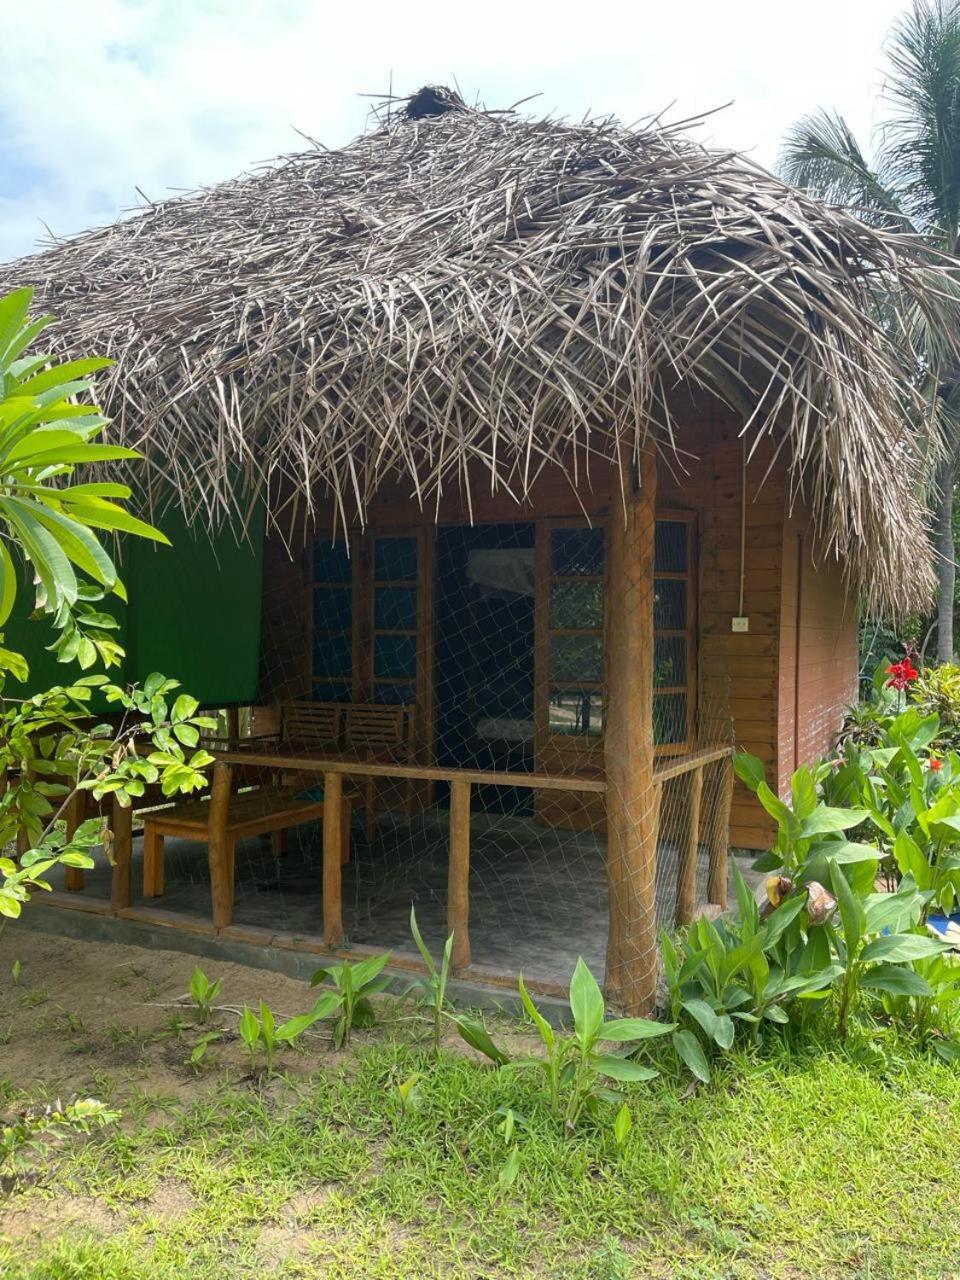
<point x="747" y="683"/>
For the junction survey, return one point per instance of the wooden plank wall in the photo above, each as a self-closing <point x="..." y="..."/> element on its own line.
<point x="818" y="651"/>
<point x="738" y="672"/>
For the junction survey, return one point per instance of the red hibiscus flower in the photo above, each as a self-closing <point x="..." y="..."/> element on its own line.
<point x="934" y="764"/>
<point x="901" y="673"/>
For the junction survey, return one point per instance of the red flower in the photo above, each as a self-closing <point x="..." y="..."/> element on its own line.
<point x="901" y="673"/>
<point x="935" y="764"/>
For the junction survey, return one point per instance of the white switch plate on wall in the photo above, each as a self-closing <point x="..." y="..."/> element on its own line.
<point x="740" y="624"/>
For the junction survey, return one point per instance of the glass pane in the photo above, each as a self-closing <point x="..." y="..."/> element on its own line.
<point x="331" y="562"/>
<point x="332" y="608"/>
<point x="395" y="609"/>
<point x="395" y="560"/>
<point x="576" y="658"/>
<point x="670" y="546"/>
<point x="576" y="711"/>
<point x="395" y="656"/>
<point x="393" y="693"/>
<point x="326" y="692"/>
<point x="331" y="655"/>
<point x="669" y="604"/>
<point x="576" y="551"/>
<point x="669" y="718"/>
<point x="576" y="604"/>
<point x="669" y="660"/>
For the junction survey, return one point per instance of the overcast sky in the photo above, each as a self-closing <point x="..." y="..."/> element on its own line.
<point x="101" y="97"/>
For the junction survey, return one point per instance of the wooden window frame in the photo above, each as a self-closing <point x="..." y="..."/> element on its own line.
<point x="689" y="518"/>
<point x="588" y="745"/>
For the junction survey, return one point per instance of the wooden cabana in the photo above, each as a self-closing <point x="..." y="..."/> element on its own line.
<point x="631" y="389"/>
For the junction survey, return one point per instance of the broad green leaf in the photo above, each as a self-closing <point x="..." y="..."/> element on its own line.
<point x="825" y="820"/>
<point x="621" y="1030"/>
<point x="895" y="948"/>
<point x="478" y="1037"/>
<point x="748" y="769"/>
<point x="851" y="913"/>
<point x="689" y="1050"/>
<point x="586" y="1003"/>
<point x="622" y="1125"/>
<point x="895" y="980"/>
<point x="547" y="1034"/>
<point x="624" y="1069"/>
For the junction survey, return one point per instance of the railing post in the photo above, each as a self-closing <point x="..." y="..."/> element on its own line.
<point x="221" y="863"/>
<point x="121" y="824"/>
<point x="689" y="847"/>
<point x="458" y="882"/>
<point x="332" y="873"/>
<point x="720" y="836"/>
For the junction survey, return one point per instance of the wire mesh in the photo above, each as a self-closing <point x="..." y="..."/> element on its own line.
<point x="478" y="651"/>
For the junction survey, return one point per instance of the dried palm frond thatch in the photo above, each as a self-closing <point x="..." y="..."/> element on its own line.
<point x="467" y="288"/>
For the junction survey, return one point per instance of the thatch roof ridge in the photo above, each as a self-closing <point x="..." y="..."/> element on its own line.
<point x="460" y="286"/>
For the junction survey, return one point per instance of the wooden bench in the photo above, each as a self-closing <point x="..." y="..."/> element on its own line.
<point x="251" y="813"/>
<point x="381" y="733"/>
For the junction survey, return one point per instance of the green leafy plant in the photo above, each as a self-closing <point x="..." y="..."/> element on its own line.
<point x="203" y="993"/>
<point x="33" y="1130"/>
<point x="354" y="985"/>
<point x="200" y="1054"/>
<point x="744" y="973"/>
<point x="575" y="1067"/>
<point x="433" y="987"/>
<point x="262" y="1034"/>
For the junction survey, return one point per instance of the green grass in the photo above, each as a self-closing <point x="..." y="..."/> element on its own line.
<point x="836" y="1162"/>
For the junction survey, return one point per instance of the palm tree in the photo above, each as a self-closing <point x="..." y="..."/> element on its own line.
<point x="913" y="183"/>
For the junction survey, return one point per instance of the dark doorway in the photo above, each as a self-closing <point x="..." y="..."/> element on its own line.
<point x="485" y="628"/>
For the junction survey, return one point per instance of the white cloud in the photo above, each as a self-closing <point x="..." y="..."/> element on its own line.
<point x="102" y="97"/>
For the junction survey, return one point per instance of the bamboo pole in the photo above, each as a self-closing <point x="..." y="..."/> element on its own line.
<point x="332" y="855"/>
<point x="689" y="848"/>
<point x="458" y="881"/>
<point x="633" y="795"/>
<point x="121" y="886"/>
<point x="720" y="836"/>
<point x="221" y="862"/>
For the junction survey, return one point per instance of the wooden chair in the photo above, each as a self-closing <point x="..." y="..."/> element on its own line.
<point x="251" y="813"/>
<point x="380" y="732"/>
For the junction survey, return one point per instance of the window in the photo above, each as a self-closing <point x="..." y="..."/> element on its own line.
<point x="674" y="693"/>
<point x="332" y="622"/>
<point x="395" y="564"/>
<point x="574" y="649"/>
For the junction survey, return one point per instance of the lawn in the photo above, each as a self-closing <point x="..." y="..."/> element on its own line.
<point x="836" y="1162"/>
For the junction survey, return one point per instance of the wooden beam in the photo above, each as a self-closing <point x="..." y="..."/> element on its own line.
<point x="720" y="835"/>
<point x="221" y="860"/>
<point x="357" y="767"/>
<point x="458" y="882"/>
<point x="332" y="853"/>
<point x="689" y="843"/>
<point x="633" y="795"/>
<point x="121" y="885"/>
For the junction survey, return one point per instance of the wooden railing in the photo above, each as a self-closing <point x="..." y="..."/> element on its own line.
<point x="333" y="770"/>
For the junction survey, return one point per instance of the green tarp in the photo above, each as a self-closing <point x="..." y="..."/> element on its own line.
<point x="194" y="614"/>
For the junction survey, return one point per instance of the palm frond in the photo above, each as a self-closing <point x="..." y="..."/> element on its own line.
<point x="821" y="154"/>
<point x="920" y="143"/>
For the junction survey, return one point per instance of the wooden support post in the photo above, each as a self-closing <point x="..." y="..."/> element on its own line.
<point x="720" y="835"/>
<point x="332" y="855"/>
<point x="233" y="727"/>
<point x="458" y="877"/>
<point x="74" y="814"/>
<point x="121" y="824"/>
<point x="689" y="847"/>
<point x="221" y="861"/>
<point x="633" y="795"/>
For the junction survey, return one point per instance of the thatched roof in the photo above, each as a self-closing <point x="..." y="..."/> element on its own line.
<point x="467" y="287"/>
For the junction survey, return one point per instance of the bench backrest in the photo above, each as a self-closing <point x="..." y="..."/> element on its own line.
<point x="312" y="724"/>
<point x="378" y="726"/>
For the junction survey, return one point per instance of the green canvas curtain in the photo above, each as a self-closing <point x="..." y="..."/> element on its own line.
<point x="194" y="614"/>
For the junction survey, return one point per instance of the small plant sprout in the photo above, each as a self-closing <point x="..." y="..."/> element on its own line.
<point x="203" y="993"/>
<point x="15" y="970"/>
<point x="34" y="1130"/>
<point x="408" y="1092"/>
<point x="434" y="986"/>
<point x="353" y="985"/>
<point x="200" y="1057"/>
<point x="576" y="1066"/>
<point x="262" y="1034"/>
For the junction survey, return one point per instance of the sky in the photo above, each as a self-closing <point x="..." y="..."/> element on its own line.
<point x="106" y="102"/>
